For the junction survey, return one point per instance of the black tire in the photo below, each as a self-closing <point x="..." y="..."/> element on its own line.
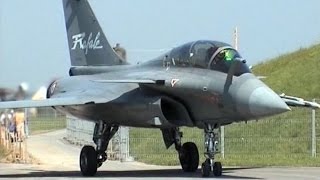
<point x="205" y="169"/>
<point x="88" y="161"/>
<point x="189" y="157"/>
<point x="217" y="169"/>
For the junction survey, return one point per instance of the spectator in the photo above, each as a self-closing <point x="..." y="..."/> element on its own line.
<point x="19" y="122"/>
<point x="2" y="127"/>
<point x="2" y="119"/>
<point x="26" y="123"/>
<point x="12" y="127"/>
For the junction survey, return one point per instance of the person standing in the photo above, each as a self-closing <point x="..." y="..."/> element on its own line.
<point x="26" y="122"/>
<point x="2" y="128"/>
<point x="12" y="129"/>
<point x="19" y="121"/>
<point x="121" y="53"/>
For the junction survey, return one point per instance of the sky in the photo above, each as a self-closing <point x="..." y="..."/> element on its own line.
<point x="34" y="49"/>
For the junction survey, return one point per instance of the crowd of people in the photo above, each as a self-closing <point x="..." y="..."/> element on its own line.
<point x="13" y="126"/>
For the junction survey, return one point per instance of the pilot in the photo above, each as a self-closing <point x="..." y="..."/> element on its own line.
<point x="228" y="55"/>
<point x="121" y="52"/>
<point x="224" y="55"/>
<point x="222" y="60"/>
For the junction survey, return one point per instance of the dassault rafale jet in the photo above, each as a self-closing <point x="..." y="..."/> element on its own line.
<point x="204" y="84"/>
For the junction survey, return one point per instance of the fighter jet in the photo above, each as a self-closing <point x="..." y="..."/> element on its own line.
<point x="204" y="84"/>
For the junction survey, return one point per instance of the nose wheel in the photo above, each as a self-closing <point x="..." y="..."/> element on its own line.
<point x="210" y="145"/>
<point x="217" y="169"/>
<point x="208" y="167"/>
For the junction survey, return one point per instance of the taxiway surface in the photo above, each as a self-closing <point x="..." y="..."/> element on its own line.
<point x="59" y="160"/>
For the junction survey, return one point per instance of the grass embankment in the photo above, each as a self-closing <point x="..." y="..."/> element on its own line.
<point x="283" y="140"/>
<point x="296" y="73"/>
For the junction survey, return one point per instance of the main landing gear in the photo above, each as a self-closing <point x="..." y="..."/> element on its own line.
<point x="210" y="145"/>
<point x="188" y="153"/>
<point x="90" y="158"/>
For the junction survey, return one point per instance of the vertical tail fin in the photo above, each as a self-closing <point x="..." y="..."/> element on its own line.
<point x="88" y="45"/>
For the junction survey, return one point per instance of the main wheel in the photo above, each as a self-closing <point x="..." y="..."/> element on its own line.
<point x="88" y="161"/>
<point x="189" y="157"/>
<point x="217" y="169"/>
<point x="206" y="168"/>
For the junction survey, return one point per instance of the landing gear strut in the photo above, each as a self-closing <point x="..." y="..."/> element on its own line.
<point x="90" y="158"/>
<point x="210" y="145"/>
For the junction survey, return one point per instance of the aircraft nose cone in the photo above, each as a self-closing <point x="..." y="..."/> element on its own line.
<point x="263" y="102"/>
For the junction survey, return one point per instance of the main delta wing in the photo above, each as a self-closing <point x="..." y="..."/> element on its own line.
<point x="65" y="101"/>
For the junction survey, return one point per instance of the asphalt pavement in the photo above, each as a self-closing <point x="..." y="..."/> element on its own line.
<point x="59" y="160"/>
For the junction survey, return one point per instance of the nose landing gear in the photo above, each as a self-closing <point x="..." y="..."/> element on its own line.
<point x="210" y="145"/>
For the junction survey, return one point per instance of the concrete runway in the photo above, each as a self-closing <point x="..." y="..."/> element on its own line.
<point x="59" y="160"/>
<point x="13" y="171"/>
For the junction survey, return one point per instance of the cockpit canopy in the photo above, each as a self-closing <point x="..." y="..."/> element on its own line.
<point x="206" y="55"/>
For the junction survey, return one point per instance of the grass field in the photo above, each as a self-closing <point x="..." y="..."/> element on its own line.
<point x="43" y="124"/>
<point x="284" y="140"/>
